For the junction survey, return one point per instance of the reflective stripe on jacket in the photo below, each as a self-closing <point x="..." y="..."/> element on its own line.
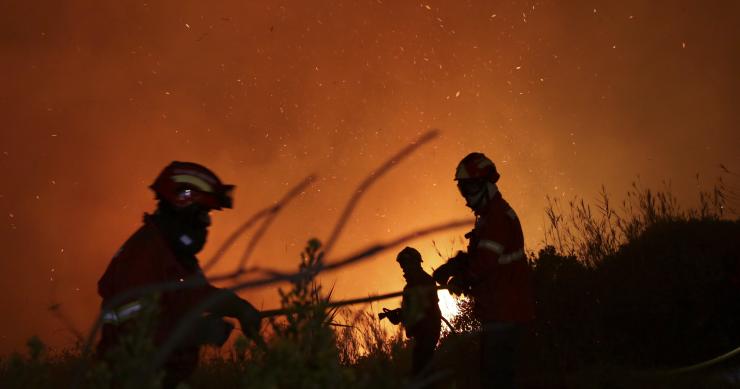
<point x="145" y="259"/>
<point x="503" y="291"/>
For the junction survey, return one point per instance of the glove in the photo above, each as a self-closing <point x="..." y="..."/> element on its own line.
<point x="442" y="274"/>
<point x="234" y="306"/>
<point x="393" y="315"/>
<point x="453" y="267"/>
<point x="457" y="286"/>
<point x="249" y="319"/>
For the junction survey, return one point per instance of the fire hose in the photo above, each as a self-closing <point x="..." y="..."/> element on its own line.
<point x="343" y="303"/>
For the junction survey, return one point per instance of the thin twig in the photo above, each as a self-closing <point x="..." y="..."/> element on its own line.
<point x="300" y="188"/>
<point x="56" y="310"/>
<point x="268" y="212"/>
<point x="371" y="178"/>
<point x="234" y="236"/>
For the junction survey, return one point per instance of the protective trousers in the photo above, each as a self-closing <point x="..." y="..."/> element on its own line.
<point x="499" y="342"/>
<point x="425" y="338"/>
<point x="209" y="330"/>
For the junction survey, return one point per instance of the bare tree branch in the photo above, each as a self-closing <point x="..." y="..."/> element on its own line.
<point x="300" y="188"/>
<point x="56" y="310"/>
<point x="342" y="303"/>
<point x="374" y="176"/>
<point x="235" y="235"/>
<point x="270" y="213"/>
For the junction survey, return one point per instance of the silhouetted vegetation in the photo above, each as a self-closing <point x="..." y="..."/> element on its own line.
<point x="622" y="297"/>
<point x="642" y="290"/>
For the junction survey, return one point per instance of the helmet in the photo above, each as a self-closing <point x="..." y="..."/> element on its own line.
<point x="408" y="254"/>
<point x="186" y="183"/>
<point x="476" y="166"/>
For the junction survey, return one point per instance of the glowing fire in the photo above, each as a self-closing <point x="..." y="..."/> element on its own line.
<point x="447" y="304"/>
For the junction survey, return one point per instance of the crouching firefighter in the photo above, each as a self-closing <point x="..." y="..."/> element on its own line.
<point x="163" y="250"/>
<point x="493" y="272"/>
<point x="419" y="312"/>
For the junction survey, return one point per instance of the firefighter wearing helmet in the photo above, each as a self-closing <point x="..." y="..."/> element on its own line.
<point x="419" y="312"/>
<point x="163" y="250"/>
<point x="493" y="272"/>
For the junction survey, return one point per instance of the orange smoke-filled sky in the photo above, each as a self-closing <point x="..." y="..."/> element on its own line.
<point x="97" y="96"/>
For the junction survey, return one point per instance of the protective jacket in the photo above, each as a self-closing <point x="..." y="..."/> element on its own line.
<point x="502" y="289"/>
<point x="147" y="258"/>
<point x="420" y="312"/>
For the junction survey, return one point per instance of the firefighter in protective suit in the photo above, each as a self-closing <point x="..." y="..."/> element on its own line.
<point x="164" y="250"/>
<point x="419" y="312"/>
<point x="493" y="272"/>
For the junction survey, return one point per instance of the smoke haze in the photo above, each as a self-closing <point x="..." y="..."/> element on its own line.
<point x="96" y="97"/>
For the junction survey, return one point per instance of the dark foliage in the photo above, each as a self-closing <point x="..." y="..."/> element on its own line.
<point x="665" y="299"/>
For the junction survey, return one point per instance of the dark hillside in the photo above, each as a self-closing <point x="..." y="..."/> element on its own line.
<point x="667" y="298"/>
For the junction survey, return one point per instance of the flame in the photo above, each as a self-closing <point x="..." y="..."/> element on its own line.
<point x="447" y="304"/>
